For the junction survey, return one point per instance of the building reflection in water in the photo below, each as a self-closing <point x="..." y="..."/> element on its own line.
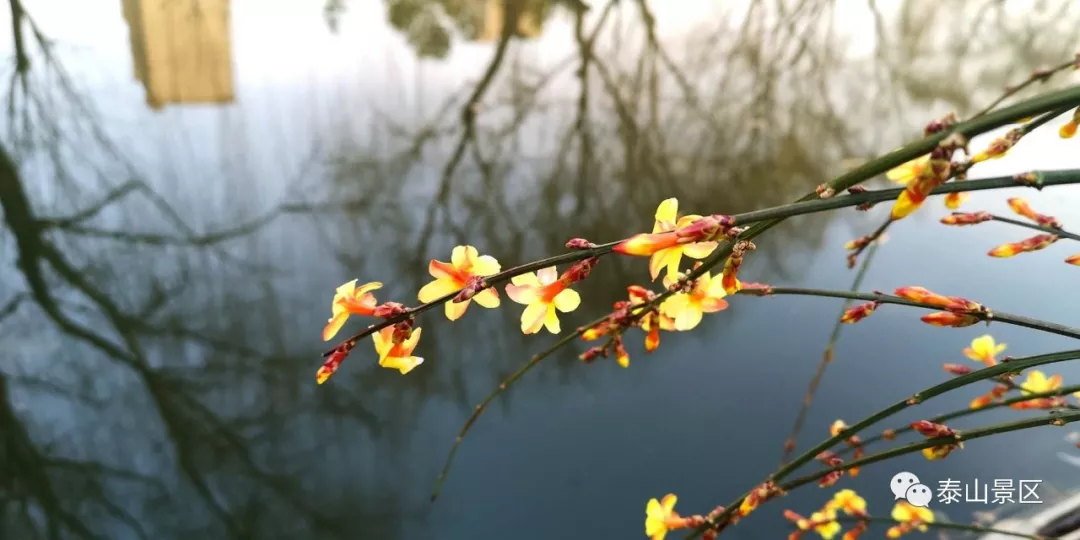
<point x="181" y="50"/>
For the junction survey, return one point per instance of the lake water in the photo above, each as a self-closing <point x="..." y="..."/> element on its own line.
<point x="159" y="355"/>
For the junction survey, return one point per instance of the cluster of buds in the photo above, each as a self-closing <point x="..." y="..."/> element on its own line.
<point x="859" y="312"/>
<point x="579" y="244"/>
<point x="967" y="218"/>
<point x="730" y="276"/>
<point x="932" y="430"/>
<point x="830" y="459"/>
<point x="333" y="360"/>
<point x="825" y="191"/>
<point x="389" y="310"/>
<point x="403" y="331"/>
<point x="624" y="316"/>
<point x="760" y="494"/>
<point x="957" y="369"/>
<point x="959" y="312"/>
<point x="853" y="441"/>
<point x="856" y="246"/>
<point x="473" y="285"/>
<point x="579" y="271"/>
<point x="995" y="394"/>
<point x="942" y="124"/>
<point x="1000" y="146"/>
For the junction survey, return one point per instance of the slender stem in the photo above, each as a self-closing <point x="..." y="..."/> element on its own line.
<point x="1054" y="419"/>
<point x="1014" y="365"/>
<point x="826" y="359"/>
<point x="1037" y="227"/>
<point x="482" y="406"/>
<point x="939" y="525"/>
<point x="1040" y="75"/>
<point x="960" y="413"/>
<point x="997" y="316"/>
<point x="776" y="214"/>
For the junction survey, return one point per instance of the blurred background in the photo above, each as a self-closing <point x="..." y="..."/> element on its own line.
<point x="184" y="183"/>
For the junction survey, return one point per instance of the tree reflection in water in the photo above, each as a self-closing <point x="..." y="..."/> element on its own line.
<point x="157" y="367"/>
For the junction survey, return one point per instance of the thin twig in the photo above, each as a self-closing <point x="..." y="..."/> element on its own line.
<point x="826" y="359"/>
<point x="1035" y="226"/>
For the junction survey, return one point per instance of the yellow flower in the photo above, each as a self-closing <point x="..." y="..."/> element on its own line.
<point x="350" y="300"/>
<point x="905" y="512"/>
<point x="1068" y="129"/>
<point x="663" y="246"/>
<point x="984" y="349"/>
<point x="825" y="523"/>
<point x="465" y="263"/>
<point x="1038" y="382"/>
<point x="660" y="517"/>
<point x="909" y="171"/>
<point x="397" y="355"/>
<point x="849" y="502"/>
<point x="542" y="293"/>
<point x="954" y="200"/>
<point x="706" y="296"/>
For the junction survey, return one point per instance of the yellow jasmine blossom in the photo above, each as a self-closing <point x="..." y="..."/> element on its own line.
<point x="465" y="263"/>
<point x="904" y="513"/>
<point x="660" y="517"/>
<point x="1038" y="382"/>
<point x="849" y="502"/>
<point x="397" y="356"/>
<point x="542" y="293"/>
<point x="984" y="349"/>
<point x="686" y="308"/>
<point x="909" y="171"/>
<point x="666" y="220"/>
<point x="825" y="523"/>
<point x="350" y="300"/>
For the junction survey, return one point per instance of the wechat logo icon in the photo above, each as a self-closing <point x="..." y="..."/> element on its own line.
<point x="906" y="486"/>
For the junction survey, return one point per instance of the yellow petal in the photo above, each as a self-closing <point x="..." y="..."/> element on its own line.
<point x="551" y="319"/>
<point x="665" y="258"/>
<point x="486" y="265"/>
<point x="688" y="318"/>
<point x="532" y="319"/>
<point x="487" y="298"/>
<point x="674" y="305"/>
<point x="548" y="275"/>
<point x="668" y="502"/>
<point x="414" y="338"/>
<point x="334" y="325"/>
<point x="522" y="294"/>
<point x="528" y="279"/>
<point x="666" y="214"/>
<point x="403" y="365"/>
<point x="437" y="289"/>
<point x="454" y="310"/>
<point x="568" y="300"/>
<point x="346" y="289"/>
<point x="382" y="340"/>
<point x="366" y="288"/>
<point x="699" y="250"/>
<point x="461" y="256"/>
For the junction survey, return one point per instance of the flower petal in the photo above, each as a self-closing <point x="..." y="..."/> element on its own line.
<point x="712" y="305"/>
<point x="403" y="364"/>
<point x="441" y="270"/>
<point x="346" y="289"/>
<point x="383" y="340"/>
<point x="551" y="319"/>
<point x="334" y="325"/>
<point x="674" y="305"/>
<point x="454" y="310"/>
<point x="567" y="301"/>
<point x="366" y="288"/>
<point x="488" y="298"/>
<point x="462" y="256"/>
<point x="666" y="215"/>
<point x="486" y="265"/>
<point x="437" y="289"/>
<point x="522" y="294"/>
<point x="699" y="250"/>
<point x="532" y="319"/>
<point x="547" y="275"/>
<point x="668" y="502"/>
<point x="688" y="318"/>
<point x="529" y="279"/>
<point x="668" y="258"/>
